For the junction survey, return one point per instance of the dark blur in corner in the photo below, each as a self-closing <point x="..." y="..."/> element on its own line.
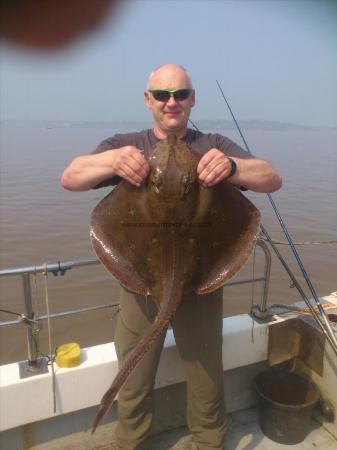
<point x="49" y="25"/>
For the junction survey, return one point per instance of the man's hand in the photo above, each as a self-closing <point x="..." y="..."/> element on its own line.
<point x="213" y="167"/>
<point x="129" y="163"/>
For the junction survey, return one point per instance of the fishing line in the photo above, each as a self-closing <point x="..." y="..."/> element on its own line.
<point x="300" y="290"/>
<point x="193" y="124"/>
<point x="10" y="312"/>
<point x="304" y="243"/>
<point x="291" y="243"/>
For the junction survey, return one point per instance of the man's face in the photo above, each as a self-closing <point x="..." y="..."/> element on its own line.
<point x="171" y="115"/>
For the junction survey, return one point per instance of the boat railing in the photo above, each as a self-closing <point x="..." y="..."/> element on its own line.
<point x="34" y="364"/>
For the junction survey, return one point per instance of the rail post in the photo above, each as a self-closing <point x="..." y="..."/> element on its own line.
<point x="28" y="306"/>
<point x="261" y="312"/>
<point x="34" y="365"/>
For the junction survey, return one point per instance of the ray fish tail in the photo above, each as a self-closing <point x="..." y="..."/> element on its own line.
<point x="170" y="300"/>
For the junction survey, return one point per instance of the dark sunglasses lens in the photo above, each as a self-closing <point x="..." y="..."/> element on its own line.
<point x="164" y="96"/>
<point x="161" y="96"/>
<point x="182" y="94"/>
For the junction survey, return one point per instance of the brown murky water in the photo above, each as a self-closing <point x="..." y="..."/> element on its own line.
<point x="40" y="222"/>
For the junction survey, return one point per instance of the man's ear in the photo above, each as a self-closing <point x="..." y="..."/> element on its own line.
<point x="147" y="99"/>
<point x="193" y="99"/>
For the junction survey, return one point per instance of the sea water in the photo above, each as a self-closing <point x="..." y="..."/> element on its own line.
<point x="41" y="222"/>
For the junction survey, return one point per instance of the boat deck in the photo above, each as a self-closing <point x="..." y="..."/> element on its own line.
<point x="244" y="433"/>
<point x="27" y="418"/>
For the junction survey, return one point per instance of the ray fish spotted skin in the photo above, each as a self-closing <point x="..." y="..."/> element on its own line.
<point x="169" y="235"/>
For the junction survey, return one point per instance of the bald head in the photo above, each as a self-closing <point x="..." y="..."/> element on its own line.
<point x="167" y="75"/>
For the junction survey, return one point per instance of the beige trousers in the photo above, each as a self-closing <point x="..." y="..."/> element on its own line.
<point x="197" y="327"/>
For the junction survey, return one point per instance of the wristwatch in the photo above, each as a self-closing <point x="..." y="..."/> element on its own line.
<point x="233" y="168"/>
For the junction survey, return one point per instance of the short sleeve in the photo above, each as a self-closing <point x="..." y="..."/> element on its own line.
<point x="108" y="144"/>
<point x="230" y="148"/>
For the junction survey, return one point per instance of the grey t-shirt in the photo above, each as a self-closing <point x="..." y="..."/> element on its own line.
<point x="146" y="140"/>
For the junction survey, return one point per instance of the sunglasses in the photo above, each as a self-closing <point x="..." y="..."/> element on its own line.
<point x="164" y="95"/>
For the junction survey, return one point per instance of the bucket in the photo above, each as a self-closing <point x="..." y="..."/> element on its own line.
<point x="286" y="403"/>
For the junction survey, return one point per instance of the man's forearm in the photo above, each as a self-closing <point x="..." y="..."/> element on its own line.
<point x="87" y="171"/>
<point x="256" y="175"/>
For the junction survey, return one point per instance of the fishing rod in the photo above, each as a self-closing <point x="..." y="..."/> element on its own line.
<point x="297" y="285"/>
<point x="295" y="282"/>
<point x="321" y="319"/>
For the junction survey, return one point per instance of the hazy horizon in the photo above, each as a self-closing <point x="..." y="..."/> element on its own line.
<point x="226" y="124"/>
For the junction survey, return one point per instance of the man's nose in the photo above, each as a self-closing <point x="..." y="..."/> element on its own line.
<point x="171" y="101"/>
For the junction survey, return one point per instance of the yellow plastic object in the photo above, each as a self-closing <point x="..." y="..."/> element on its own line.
<point x="68" y="355"/>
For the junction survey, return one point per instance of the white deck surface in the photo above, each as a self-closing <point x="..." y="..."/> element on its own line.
<point x="21" y="398"/>
<point x="244" y="434"/>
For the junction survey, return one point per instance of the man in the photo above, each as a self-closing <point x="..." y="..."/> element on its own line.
<point x="197" y="325"/>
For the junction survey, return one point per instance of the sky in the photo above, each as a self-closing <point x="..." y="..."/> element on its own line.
<point x="276" y="60"/>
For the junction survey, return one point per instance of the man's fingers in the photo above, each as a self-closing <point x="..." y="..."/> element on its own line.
<point x="213" y="167"/>
<point x="140" y="165"/>
<point x="131" y="165"/>
<point x="212" y="181"/>
<point x="216" y="171"/>
<point x="136" y="181"/>
<point x="213" y="154"/>
<point x="130" y="175"/>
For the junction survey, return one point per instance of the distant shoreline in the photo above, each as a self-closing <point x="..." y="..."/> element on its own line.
<point x="214" y="125"/>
